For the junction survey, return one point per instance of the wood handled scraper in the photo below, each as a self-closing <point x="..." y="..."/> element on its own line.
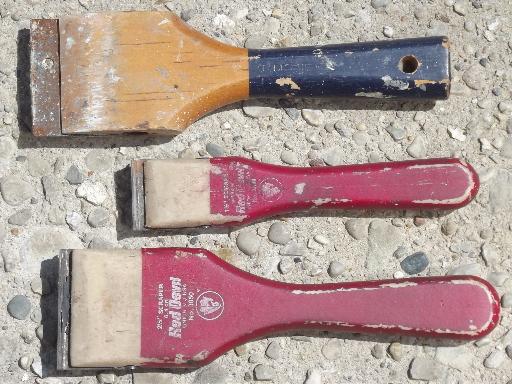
<point x="122" y="72"/>
<point x="184" y="193"/>
<point x="179" y="307"/>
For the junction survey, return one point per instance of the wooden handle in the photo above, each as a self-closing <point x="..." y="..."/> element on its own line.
<point x="150" y="72"/>
<point x="248" y="190"/>
<point x="221" y="306"/>
<point x="408" y="68"/>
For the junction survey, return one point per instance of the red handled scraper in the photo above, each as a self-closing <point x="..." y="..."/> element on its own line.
<point x="233" y="190"/>
<point x="179" y="307"/>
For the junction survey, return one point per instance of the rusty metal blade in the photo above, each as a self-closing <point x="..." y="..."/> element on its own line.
<point x="138" y="210"/>
<point x="45" y="77"/>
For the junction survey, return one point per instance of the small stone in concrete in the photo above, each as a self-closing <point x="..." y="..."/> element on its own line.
<point x="278" y="233"/>
<point x="248" y="242"/>
<point x="380" y="3"/>
<point x="495" y="359"/>
<point x="255" y="41"/>
<point x="483" y="341"/>
<point x="357" y="228"/>
<point x="98" y="160"/>
<point x="263" y="372"/>
<point x="497" y="278"/>
<point x="455" y="357"/>
<point x="73" y="219"/>
<point x="401" y="252"/>
<point x="415" y="263"/>
<point x="241" y="350"/>
<point x="474" y="77"/>
<point x="335" y="269"/>
<point x="506" y="300"/>
<point x="418" y="147"/>
<point x="21" y="217"/>
<point x="424" y="368"/>
<point x="38" y="166"/>
<point x="449" y="227"/>
<point x="215" y="150"/>
<point x="378" y="351"/>
<point x="106" y="378"/>
<point x="383" y="239"/>
<point x="74" y="176"/>
<point x="50" y="188"/>
<point x="19" y="307"/>
<point x="257" y="111"/>
<point x="273" y="350"/>
<point x="94" y="192"/>
<point x="313" y="377"/>
<point x="313" y="117"/>
<point x="395" y="350"/>
<point x="332" y="350"/>
<point x="24" y="362"/>
<point x="466" y="269"/>
<point x="285" y="266"/>
<point x="15" y="191"/>
<point x="8" y="261"/>
<point x="508" y="350"/>
<point x="460" y="8"/>
<point x="292" y="249"/>
<point x="99" y="217"/>
<point x="396" y="131"/>
<point x="289" y="157"/>
<point x="321" y="239"/>
<point x="40" y="332"/>
<point x="333" y="156"/>
<point x="388" y="31"/>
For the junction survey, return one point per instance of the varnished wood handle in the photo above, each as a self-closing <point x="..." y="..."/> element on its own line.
<point x="151" y="72"/>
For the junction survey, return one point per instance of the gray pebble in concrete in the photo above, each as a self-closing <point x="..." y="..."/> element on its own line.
<point x="278" y="233"/>
<point x="378" y="351"/>
<point x="14" y="190"/>
<point x="212" y="374"/>
<point x="506" y="300"/>
<point x="335" y="269"/>
<point x="332" y="350"/>
<point x="357" y="228"/>
<point x="74" y="176"/>
<point x="424" y="368"/>
<point x="21" y="217"/>
<point x="215" y="150"/>
<point x="495" y="359"/>
<point x="99" y="217"/>
<point x="19" y="307"/>
<point x="273" y="350"/>
<point x="263" y="372"/>
<point x="415" y="263"/>
<point x="248" y="242"/>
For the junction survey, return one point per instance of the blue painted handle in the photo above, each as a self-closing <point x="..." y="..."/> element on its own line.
<point x="406" y="68"/>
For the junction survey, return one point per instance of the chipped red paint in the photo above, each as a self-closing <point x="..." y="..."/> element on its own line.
<point x="250" y="190"/>
<point x="225" y="307"/>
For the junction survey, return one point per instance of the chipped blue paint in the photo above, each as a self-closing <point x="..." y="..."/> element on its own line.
<point x="369" y="69"/>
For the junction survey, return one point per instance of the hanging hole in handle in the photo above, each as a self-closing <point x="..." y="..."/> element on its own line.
<point x="408" y="64"/>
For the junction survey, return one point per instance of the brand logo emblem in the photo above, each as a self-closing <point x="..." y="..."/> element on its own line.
<point x="271" y="189"/>
<point x="209" y="305"/>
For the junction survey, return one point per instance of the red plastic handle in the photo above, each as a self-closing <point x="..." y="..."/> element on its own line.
<point x="248" y="190"/>
<point x="220" y="306"/>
